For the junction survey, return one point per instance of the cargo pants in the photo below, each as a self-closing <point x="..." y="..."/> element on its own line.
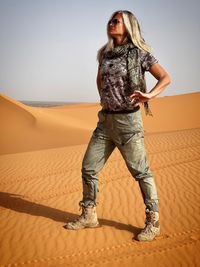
<point x="124" y="131"/>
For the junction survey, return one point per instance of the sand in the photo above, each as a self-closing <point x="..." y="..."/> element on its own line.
<point x="41" y="150"/>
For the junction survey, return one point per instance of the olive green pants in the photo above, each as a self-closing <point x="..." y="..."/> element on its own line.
<point x="124" y="131"/>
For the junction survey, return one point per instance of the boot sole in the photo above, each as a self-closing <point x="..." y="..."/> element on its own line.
<point x="85" y="226"/>
<point x="147" y="240"/>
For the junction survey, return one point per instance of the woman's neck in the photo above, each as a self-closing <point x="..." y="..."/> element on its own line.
<point x="121" y="40"/>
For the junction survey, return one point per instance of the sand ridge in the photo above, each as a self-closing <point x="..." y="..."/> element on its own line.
<point x="40" y="189"/>
<point x="46" y="128"/>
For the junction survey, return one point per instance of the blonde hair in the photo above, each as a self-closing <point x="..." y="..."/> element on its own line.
<point x="133" y="34"/>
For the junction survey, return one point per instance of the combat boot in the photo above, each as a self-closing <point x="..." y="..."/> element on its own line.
<point x="152" y="227"/>
<point x="87" y="219"/>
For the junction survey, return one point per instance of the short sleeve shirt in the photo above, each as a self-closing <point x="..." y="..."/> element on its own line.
<point x="114" y="80"/>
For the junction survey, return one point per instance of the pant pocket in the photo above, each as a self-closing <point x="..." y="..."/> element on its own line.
<point x="134" y="136"/>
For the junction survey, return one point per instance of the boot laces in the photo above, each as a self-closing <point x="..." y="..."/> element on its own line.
<point x="84" y="212"/>
<point x="150" y="217"/>
<point x="150" y="222"/>
<point x="148" y="228"/>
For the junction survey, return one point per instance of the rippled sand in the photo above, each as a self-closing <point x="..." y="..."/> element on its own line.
<point x="40" y="183"/>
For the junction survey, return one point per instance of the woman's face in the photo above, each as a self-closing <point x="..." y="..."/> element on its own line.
<point x="116" y="27"/>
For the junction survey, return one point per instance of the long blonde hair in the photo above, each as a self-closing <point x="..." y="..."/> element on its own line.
<point x="133" y="34"/>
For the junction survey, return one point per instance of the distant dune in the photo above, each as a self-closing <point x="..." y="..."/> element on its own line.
<point x="41" y="151"/>
<point x="25" y="128"/>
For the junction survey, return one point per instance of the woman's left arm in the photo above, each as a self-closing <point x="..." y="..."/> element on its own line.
<point x="163" y="80"/>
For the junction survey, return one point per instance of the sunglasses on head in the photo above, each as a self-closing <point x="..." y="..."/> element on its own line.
<point x="114" y="21"/>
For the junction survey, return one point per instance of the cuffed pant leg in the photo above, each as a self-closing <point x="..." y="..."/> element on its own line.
<point x="135" y="157"/>
<point x="98" y="151"/>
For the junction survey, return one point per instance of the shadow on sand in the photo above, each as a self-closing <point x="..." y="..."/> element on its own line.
<point x="18" y="203"/>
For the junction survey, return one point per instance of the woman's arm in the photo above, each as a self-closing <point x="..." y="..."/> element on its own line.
<point x="98" y="79"/>
<point x="163" y="80"/>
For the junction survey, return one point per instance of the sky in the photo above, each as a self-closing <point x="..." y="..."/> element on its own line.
<point x="48" y="48"/>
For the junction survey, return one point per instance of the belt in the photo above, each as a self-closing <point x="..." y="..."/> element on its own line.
<point x="107" y="111"/>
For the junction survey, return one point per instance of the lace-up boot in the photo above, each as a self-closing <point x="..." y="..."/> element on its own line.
<point x="87" y="219"/>
<point x="152" y="227"/>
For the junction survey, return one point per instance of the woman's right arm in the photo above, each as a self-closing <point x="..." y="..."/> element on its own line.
<point x="98" y="80"/>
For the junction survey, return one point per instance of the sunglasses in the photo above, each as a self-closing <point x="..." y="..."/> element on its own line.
<point x="114" y="21"/>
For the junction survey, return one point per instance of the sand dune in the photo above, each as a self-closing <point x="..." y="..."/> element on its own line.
<point x="40" y="184"/>
<point x="44" y="128"/>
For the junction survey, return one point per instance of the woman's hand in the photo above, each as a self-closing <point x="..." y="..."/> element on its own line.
<point x="138" y="97"/>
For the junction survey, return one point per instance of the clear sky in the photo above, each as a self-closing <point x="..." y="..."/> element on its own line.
<point x="48" y="47"/>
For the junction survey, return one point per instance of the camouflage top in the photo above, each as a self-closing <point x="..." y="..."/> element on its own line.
<point x="122" y="71"/>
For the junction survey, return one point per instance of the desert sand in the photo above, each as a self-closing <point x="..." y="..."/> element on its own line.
<point x="41" y="150"/>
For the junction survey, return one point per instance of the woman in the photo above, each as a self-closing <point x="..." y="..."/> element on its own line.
<point x="121" y="84"/>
